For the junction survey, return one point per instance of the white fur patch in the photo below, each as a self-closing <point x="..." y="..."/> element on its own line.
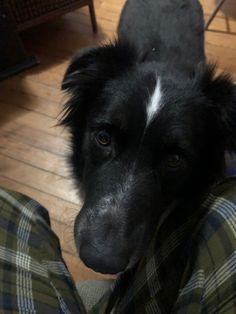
<point x="155" y="103"/>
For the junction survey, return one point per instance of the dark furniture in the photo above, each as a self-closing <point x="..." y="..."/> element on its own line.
<point x="29" y="13"/>
<point x="13" y="57"/>
<point x="19" y="15"/>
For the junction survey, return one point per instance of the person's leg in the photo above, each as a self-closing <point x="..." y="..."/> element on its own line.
<point x="33" y="275"/>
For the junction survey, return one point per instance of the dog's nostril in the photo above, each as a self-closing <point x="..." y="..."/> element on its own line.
<point x="103" y="260"/>
<point x="100" y="249"/>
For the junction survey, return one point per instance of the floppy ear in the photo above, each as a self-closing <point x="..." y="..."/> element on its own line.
<point x="99" y="63"/>
<point x="221" y="93"/>
<point x="89" y="71"/>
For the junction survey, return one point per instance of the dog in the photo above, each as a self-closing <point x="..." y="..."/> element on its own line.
<point x="150" y="122"/>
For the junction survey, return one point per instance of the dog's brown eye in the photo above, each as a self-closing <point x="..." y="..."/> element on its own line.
<point x="103" y="138"/>
<point x="174" y="161"/>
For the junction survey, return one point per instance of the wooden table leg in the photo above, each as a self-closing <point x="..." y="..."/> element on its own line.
<point x="93" y="16"/>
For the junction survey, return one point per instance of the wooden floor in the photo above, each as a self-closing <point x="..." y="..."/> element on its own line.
<point x="32" y="149"/>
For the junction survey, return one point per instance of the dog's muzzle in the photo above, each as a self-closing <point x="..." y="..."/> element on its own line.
<point x="99" y="248"/>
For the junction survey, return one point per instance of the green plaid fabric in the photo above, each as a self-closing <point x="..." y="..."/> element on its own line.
<point x="33" y="275"/>
<point x="190" y="266"/>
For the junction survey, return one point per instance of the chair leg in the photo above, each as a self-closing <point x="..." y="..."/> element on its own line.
<point x="93" y="16"/>
<point x="219" y="5"/>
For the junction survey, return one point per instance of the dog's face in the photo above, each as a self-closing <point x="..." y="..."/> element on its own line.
<point x="143" y="139"/>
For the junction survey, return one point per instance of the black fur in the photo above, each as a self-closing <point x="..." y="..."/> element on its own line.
<point x="129" y="172"/>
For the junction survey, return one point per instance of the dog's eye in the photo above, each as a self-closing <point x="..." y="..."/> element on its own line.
<point x="103" y="138"/>
<point x="174" y="161"/>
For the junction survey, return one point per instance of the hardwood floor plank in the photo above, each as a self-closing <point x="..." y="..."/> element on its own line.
<point x="35" y="138"/>
<point x="11" y="115"/>
<point x="221" y="39"/>
<point x="45" y="182"/>
<point x="60" y="210"/>
<point x="34" y="88"/>
<point x="222" y="24"/>
<point x="18" y="98"/>
<point x="44" y="160"/>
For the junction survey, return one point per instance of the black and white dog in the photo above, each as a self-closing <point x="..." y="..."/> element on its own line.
<point x="150" y="122"/>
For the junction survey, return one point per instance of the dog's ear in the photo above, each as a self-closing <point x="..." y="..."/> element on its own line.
<point x="77" y="62"/>
<point x="87" y="74"/>
<point x="98" y="65"/>
<point x="221" y="94"/>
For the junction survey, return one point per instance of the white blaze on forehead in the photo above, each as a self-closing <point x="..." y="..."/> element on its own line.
<point x="154" y="104"/>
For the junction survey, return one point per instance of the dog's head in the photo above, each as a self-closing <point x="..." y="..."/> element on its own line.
<point x="144" y="136"/>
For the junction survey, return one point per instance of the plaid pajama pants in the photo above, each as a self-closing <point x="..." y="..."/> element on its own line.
<point x="189" y="267"/>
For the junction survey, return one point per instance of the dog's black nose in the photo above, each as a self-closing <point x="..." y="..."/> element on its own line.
<point x="103" y="260"/>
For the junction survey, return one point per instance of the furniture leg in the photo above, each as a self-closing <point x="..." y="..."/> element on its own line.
<point x="219" y="5"/>
<point x="92" y="16"/>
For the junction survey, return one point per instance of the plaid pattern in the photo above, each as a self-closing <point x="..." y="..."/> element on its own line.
<point x="190" y="266"/>
<point x="33" y="275"/>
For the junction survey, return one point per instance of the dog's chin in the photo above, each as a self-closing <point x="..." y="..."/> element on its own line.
<point x="105" y="271"/>
<point x="109" y="269"/>
<point x="105" y="265"/>
<point x="102" y="262"/>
